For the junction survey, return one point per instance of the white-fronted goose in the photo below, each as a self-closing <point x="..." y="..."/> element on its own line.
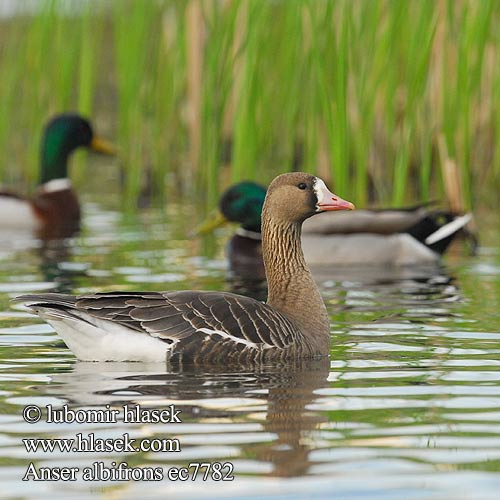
<point x="212" y="327"/>
<point x="396" y="237"/>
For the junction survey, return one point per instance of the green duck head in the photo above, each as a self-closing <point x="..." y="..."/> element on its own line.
<point x="63" y="134"/>
<point x="243" y="203"/>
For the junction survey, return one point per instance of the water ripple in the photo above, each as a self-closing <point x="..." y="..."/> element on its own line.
<point x="410" y="395"/>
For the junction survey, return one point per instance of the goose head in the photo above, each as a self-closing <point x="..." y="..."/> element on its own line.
<point x="294" y="197"/>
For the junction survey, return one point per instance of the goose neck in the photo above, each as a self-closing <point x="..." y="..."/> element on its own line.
<point x="291" y="287"/>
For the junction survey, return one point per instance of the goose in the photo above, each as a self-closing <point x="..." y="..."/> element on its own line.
<point x="377" y="237"/>
<point x="53" y="211"/>
<point x="212" y="327"/>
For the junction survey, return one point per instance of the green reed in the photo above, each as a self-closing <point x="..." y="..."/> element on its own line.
<point x="357" y="91"/>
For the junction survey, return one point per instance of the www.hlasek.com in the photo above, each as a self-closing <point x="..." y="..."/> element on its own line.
<point x="114" y="471"/>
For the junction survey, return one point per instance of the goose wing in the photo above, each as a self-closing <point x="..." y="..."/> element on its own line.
<point x="183" y="319"/>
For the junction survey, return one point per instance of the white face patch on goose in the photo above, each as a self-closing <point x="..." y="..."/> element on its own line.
<point x="323" y="194"/>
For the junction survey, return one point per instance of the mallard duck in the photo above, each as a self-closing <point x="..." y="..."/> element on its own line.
<point x="395" y="237"/>
<point x="53" y="210"/>
<point x="242" y="203"/>
<point x="212" y="327"/>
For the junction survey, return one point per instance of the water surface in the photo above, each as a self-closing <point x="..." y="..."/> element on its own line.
<point x="408" y="406"/>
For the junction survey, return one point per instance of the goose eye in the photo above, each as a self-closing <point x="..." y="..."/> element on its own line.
<point x="302" y="185"/>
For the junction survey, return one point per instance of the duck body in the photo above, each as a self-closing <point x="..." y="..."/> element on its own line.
<point x="370" y="249"/>
<point x="212" y="327"/>
<point x="403" y="237"/>
<point x="386" y="237"/>
<point x="17" y="213"/>
<point x="53" y="211"/>
<point x="244" y="253"/>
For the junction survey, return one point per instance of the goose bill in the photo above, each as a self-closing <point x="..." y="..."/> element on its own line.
<point x="327" y="201"/>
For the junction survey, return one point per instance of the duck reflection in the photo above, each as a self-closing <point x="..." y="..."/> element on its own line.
<point x="415" y="295"/>
<point x="378" y="275"/>
<point x="430" y="282"/>
<point x="56" y="266"/>
<point x="52" y="256"/>
<point x="205" y="393"/>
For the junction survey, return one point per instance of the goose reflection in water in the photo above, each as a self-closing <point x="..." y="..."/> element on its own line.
<point x="278" y="394"/>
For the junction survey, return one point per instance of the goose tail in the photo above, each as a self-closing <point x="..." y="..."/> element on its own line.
<point x="48" y="305"/>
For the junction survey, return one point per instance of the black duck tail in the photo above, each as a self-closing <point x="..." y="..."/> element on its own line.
<point x="438" y="229"/>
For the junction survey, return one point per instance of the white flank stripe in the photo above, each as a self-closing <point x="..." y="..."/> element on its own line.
<point x="448" y="229"/>
<point x="56" y="185"/>
<point x="225" y="335"/>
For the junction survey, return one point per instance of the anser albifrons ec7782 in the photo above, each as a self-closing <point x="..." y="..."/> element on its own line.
<point x="212" y="327"/>
<point x="53" y="211"/>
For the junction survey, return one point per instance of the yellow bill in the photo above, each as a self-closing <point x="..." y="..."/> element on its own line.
<point x="102" y="146"/>
<point x="212" y="222"/>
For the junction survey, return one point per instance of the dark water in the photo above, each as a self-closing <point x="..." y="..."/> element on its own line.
<point x="408" y="406"/>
